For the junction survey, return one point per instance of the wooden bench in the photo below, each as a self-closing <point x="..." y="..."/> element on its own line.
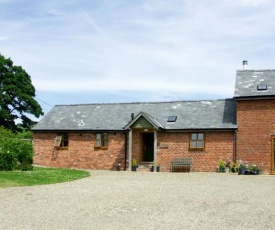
<point x="181" y="165"/>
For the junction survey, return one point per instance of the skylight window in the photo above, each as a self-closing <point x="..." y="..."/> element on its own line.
<point x="172" y="118"/>
<point x="262" y="87"/>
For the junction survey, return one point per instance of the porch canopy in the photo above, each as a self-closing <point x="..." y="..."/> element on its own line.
<point x="143" y="121"/>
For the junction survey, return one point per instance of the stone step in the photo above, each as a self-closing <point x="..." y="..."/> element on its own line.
<point x="145" y="166"/>
<point x="143" y="169"/>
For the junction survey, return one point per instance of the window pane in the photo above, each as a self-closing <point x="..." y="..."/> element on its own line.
<point x="194" y="136"/>
<point x="193" y="144"/>
<point x="65" y="143"/>
<point x="105" y="139"/>
<point x="105" y="136"/>
<point x="65" y="136"/>
<point x="98" y="140"/>
<point x="200" y="136"/>
<point x="58" y="140"/>
<point x="200" y="144"/>
<point x="98" y="143"/>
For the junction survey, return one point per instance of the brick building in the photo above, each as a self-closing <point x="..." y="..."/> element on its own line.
<point x="108" y="136"/>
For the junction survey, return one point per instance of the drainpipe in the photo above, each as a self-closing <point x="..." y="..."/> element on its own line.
<point x="235" y="145"/>
<point x="125" y="151"/>
<point x="155" y="150"/>
<point x="130" y="150"/>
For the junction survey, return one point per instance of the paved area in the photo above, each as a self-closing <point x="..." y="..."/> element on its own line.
<point x="129" y="200"/>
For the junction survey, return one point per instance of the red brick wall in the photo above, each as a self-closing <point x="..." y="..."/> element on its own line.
<point x="80" y="153"/>
<point x="218" y="146"/>
<point x="256" y="120"/>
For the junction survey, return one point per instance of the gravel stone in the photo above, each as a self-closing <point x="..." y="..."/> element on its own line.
<point x="141" y="200"/>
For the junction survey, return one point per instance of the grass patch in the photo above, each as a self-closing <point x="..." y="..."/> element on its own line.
<point x="40" y="176"/>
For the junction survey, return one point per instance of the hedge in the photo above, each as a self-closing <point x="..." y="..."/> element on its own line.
<point x="16" y="152"/>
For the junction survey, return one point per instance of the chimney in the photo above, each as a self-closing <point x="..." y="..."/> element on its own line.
<point x="245" y="63"/>
<point x="132" y="116"/>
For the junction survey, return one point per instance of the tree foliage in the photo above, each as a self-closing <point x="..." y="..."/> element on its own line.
<point x="17" y="96"/>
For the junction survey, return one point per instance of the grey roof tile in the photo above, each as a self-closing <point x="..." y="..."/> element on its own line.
<point x="210" y="114"/>
<point x="248" y="80"/>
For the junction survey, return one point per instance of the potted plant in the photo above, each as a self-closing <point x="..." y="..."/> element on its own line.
<point x="234" y="167"/>
<point x="158" y="167"/>
<point x="242" y="169"/>
<point x="227" y="167"/>
<point x="258" y="170"/>
<point x="255" y="170"/>
<point x="134" y="165"/>
<point x="221" y="167"/>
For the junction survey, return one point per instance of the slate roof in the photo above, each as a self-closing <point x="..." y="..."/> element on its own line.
<point x="248" y="80"/>
<point x="210" y="114"/>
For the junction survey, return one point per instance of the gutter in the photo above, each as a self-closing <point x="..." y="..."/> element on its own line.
<point x="202" y="130"/>
<point x="77" y="130"/>
<point x="255" y="97"/>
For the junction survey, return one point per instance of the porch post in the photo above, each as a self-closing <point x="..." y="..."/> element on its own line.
<point x="155" y="150"/>
<point x="130" y="150"/>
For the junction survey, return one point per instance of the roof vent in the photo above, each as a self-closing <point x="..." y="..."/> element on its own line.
<point x="261" y="87"/>
<point x="132" y="116"/>
<point x="245" y="63"/>
<point x="172" y="118"/>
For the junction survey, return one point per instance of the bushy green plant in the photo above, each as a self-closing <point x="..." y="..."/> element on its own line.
<point x="134" y="163"/>
<point x="16" y="152"/>
<point x="221" y="164"/>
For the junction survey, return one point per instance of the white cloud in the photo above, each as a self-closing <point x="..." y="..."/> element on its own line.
<point x="249" y="3"/>
<point x="4" y="38"/>
<point x="161" y="46"/>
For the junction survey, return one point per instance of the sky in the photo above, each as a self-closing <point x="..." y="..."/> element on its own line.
<point x="105" y="51"/>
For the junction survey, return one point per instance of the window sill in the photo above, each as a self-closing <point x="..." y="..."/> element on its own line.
<point x="62" y="148"/>
<point x="102" y="148"/>
<point x="196" y="149"/>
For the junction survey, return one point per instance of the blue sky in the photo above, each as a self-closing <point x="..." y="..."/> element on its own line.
<point x="100" y="51"/>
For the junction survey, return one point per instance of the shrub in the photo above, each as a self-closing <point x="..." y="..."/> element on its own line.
<point x="134" y="164"/>
<point x="15" y="151"/>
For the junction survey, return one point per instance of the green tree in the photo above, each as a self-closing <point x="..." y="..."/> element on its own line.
<point x="17" y="96"/>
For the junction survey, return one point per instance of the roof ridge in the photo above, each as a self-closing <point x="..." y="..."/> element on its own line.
<point x="253" y="70"/>
<point x="145" y="102"/>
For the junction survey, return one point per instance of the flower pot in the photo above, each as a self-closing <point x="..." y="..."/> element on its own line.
<point x="226" y="170"/>
<point x="152" y="169"/>
<point x="242" y="171"/>
<point x="134" y="168"/>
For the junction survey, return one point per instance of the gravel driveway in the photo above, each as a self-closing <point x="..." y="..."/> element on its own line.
<point x="129" y="200"/>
